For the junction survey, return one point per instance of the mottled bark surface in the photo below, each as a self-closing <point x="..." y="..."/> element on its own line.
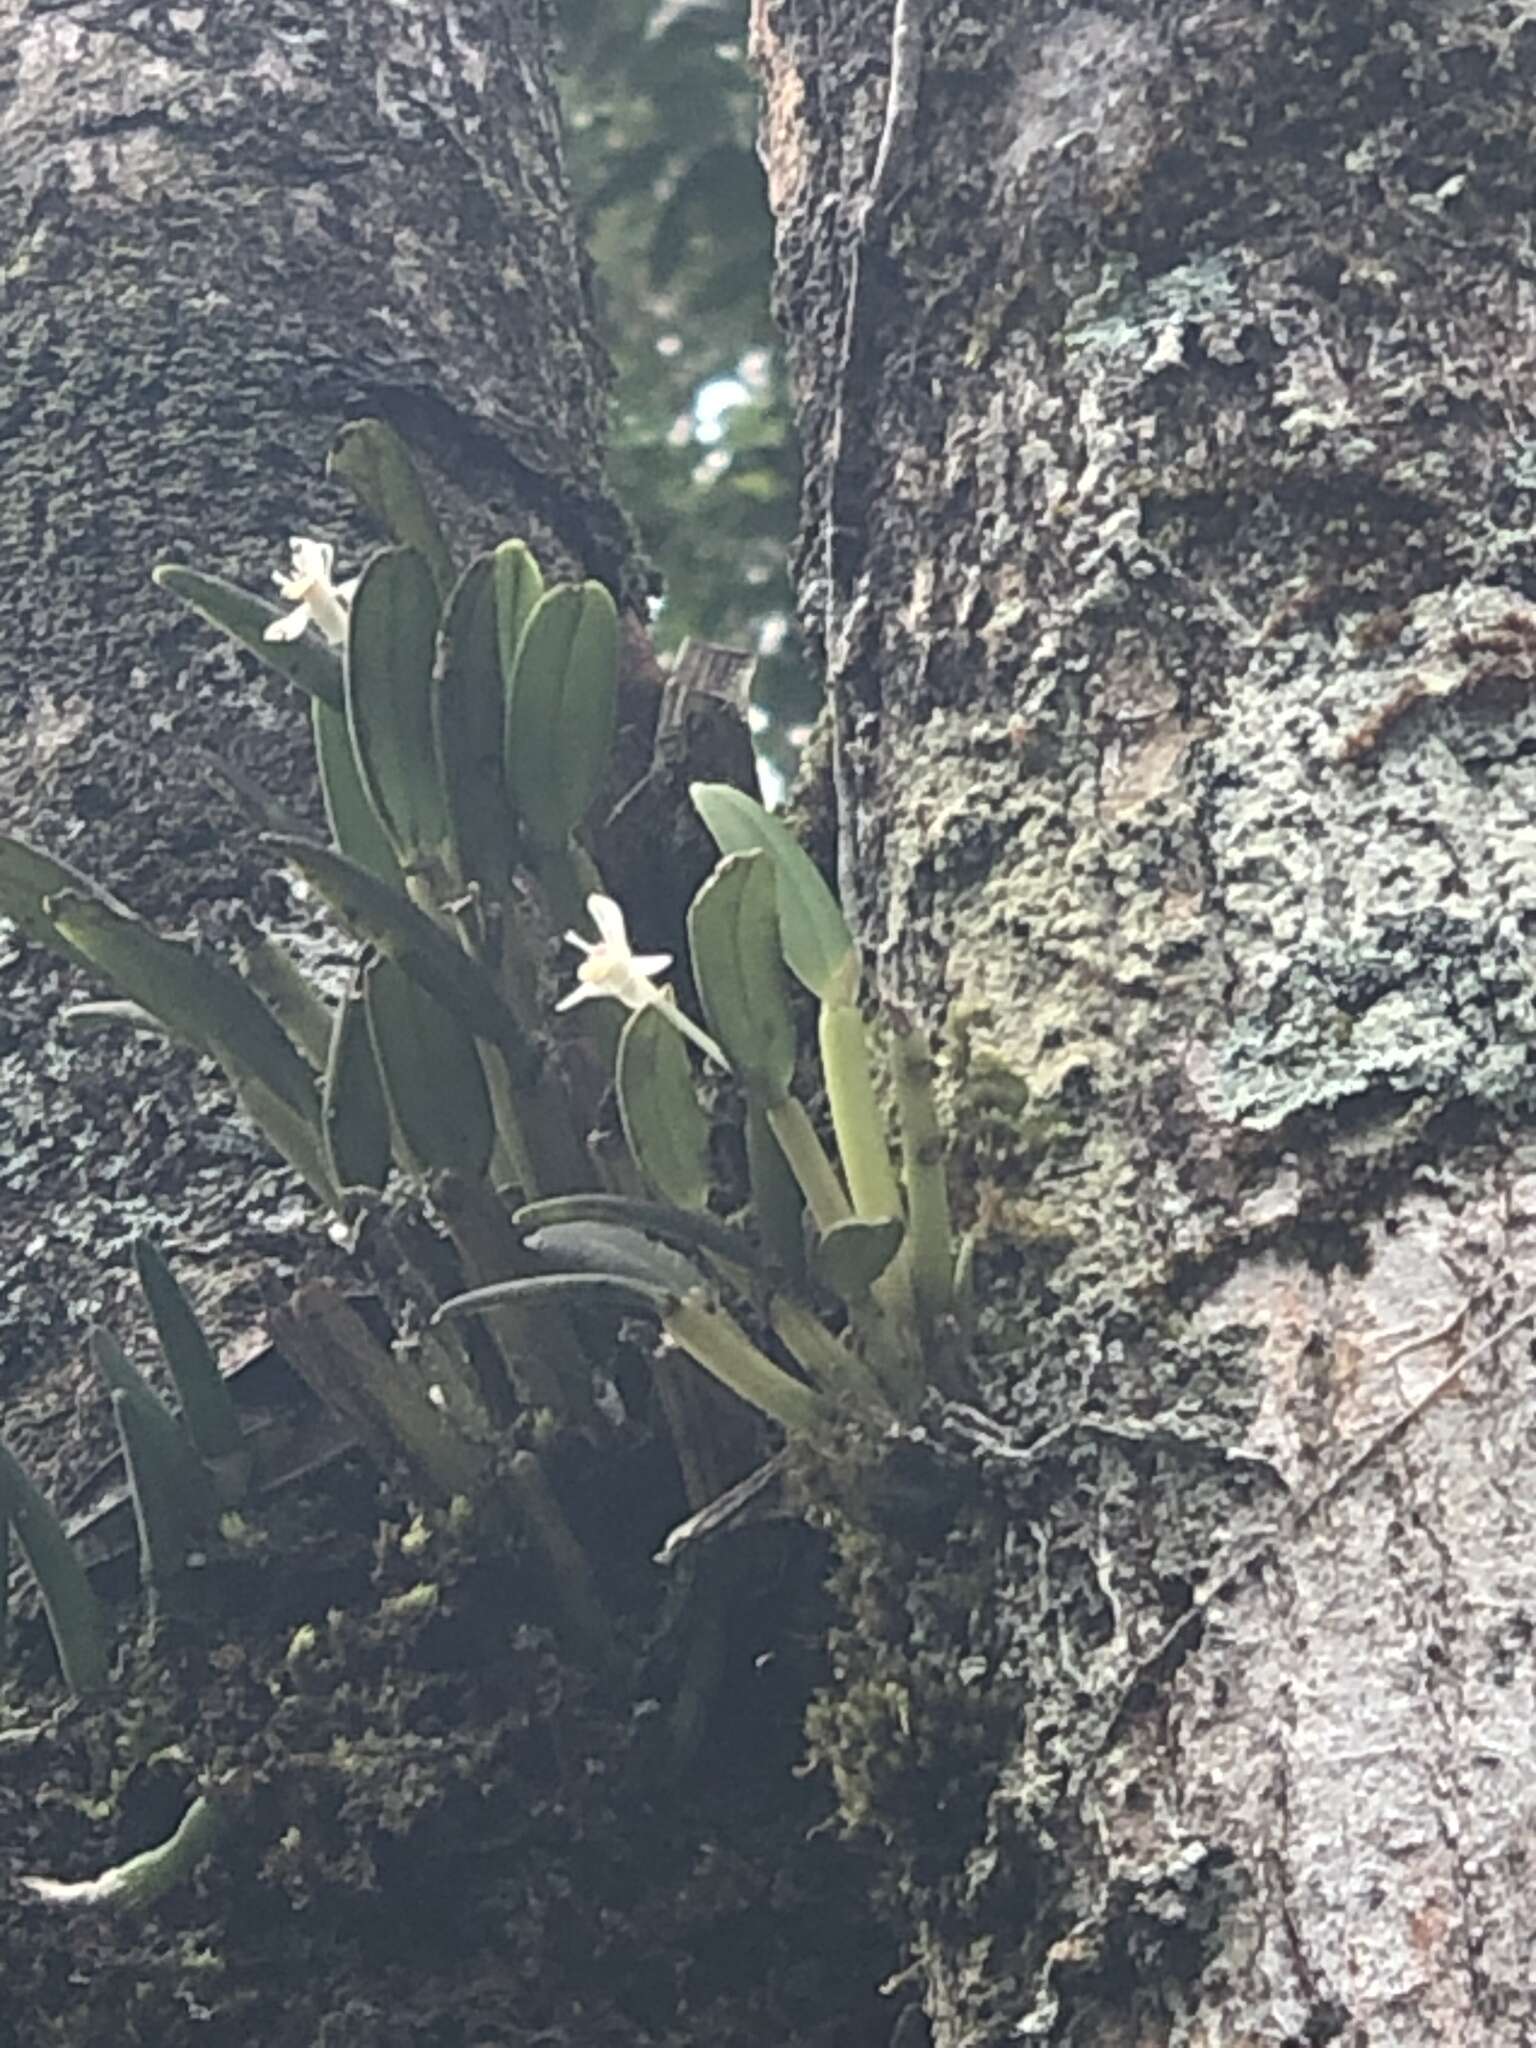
<point x="227" y="229"/>
<point x="1185" y="681"/>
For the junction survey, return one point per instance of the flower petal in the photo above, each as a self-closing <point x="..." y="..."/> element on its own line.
<point x="609" y="919"/>
<point x="327" y="614"/>
<point x="289" y="627"/>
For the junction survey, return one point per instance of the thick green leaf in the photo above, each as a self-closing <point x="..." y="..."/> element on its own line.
<point x="857" y="1116"/>
<point x="389" y="1410"/>
<point x="519" y="586"/>
<point x="375" y="463"/>
<point x="817" y="942"/>
<point x="27" y="879"/>
<point x="850" y="1257"/>
<point x="198" y="997"/>
<point x="285" y="989"/>
<point x="430" y="1068"/>
<point x="664" y="1123"/>
<point x="391" y="649"/>
<point x="83" y="1020"/>
<point x="306" y="662"/>
<point x="354" y="1115"/>
<point x="723" y="1348"/>
<point x="617" y="1249"/>
<point x="295" y="1133"/>
<point x="620" y="1288"/>
<point x="561" y="710"/>
<point x="925" y="1177"/>
<point x="207" y="1407"/>
<point x="354" y="822"/>
<point x="203" y="1002"/>
<point x="75" y="1618"/>
<point x="169" y="1519"/>
<point x="119" y="1374"/>
<point x="777" y="1203"/>
<point x="733" y="935"/>
<point x="690" y="1230"/>
<point x="469" y="713"/>
<point x="380" y="917"/>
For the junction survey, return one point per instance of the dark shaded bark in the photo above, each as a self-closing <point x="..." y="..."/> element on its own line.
<point x="230" y="228"/>
<point x="1183" y="674"/>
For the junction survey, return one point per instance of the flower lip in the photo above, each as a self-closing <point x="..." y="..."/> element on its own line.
<point x="308" y="587"/>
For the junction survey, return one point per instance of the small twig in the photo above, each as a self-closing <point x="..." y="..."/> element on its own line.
<point x="892" y="154"/>
<point x="903" y="88"/>
<point x="726" y="1508"/>
<point x="1401" y="1424"/>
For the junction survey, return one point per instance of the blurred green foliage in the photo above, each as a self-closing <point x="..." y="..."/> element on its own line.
<point x="660" y="115"/>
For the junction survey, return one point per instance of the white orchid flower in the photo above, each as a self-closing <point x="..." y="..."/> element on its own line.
<point x="611" y="969"/>
<point x="310" y="590"/>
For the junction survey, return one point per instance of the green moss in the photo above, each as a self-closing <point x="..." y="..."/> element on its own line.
<point x="414" y="1603"/>
<point x="304" y="1643"/>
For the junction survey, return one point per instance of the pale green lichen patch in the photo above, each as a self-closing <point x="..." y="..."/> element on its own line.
<point x="1199" y="299"/>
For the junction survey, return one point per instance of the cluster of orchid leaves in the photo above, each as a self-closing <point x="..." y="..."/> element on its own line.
<point x="185" y="1469"/>
<point x="463" y="725"/>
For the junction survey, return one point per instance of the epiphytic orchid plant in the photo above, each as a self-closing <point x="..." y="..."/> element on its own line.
<point x="463" y="723"/>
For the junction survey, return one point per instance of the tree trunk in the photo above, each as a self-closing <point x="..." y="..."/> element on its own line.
<point x="235" y="227"/>
<point x="232" y="228"/>
<point x="1178" y="618"/>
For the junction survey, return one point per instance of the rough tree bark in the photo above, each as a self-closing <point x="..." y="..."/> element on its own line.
<point x="229" y="228"/>
<point x="1182" y="642"/>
